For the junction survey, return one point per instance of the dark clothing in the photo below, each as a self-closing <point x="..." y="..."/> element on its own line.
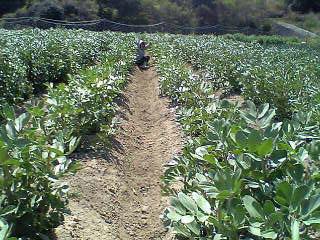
<point x="143" y="60"/>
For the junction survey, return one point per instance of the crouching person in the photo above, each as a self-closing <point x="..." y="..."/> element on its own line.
<point x="142" y="60"/>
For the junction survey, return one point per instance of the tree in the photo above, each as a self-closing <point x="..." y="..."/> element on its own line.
<point x="128" y="11"/>
<point x="11" y="6"/>
<point x="51" y="9"/>
<point x="304" y="6"/>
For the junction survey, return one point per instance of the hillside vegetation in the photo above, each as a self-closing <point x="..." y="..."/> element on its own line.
<point x="187" y="13"/>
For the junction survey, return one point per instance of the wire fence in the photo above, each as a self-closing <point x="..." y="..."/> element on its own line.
<point x="108" y="25"/>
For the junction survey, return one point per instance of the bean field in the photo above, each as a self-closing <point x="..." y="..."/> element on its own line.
<point x="229" y="125"/>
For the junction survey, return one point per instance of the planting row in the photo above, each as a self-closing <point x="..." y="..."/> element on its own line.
<point x="242" y="175"/>
<point x="285" y="76"/>
<point x="34" y="146"/>
<point x="30" y="58"/>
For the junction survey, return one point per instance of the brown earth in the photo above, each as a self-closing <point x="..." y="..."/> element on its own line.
<point x="119" y="196"/>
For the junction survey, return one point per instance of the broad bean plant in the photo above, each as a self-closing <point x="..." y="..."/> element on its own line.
<point x="35" y="145"/>
<point x="245" y="172"/>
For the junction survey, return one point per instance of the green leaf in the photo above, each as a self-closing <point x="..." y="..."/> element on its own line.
<point x="201" y="177"/>
<point x="188" y="202"/>
<point x="12" y="162"/>
<point x="73" y="144"/>
<point x="265" y="148"/>
<point x="210" y="159"/>
<point x="252" y="108"/>
<point x="239" y="214"/>
<point x="241" y="139"/>
<point x="313" y="219"/>
<point x="55" y="152"/>
<point x="267" y="120"/>
<point x="253" y="207"/>
<point x="178" y="206"/>
<point x="296" y="172"/>
<point x="200" y="152"/>
<point x="248" y="117"/>
<point x="255" y="231"/>
<point x="202" y="203"/>
<point x="284" y="194"/>
<point x="173" y="215"/>
<point x="21" y="121"/>
<point x="299" y="195"/>
<point x="275" y="218"/>
<point x="268" y="207"/>
<point x="254" y="140"/>
<point x="269" y="234"/>
<point x="4" y="229"/>
<point x="225" y="194"/>
<point x="263" y="109"/>
<point x="218" y="237"/>
<point x="187" y="219"/>
<point x="181" y="230"/>
<point x="194" y="227"/>
<point x="310" y="205"/>
<point x="244" y="161"/>
<point x="202" y="217"/>
<point x="11" y="131"/>
<point x="8" y="112"/>
<point x="4" y="155"/>
<point x="52" y="101"/>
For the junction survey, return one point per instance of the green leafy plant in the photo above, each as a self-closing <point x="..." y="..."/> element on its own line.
<point x="285" y="76"/>
<point x="244" y="173"/>
<point x="35" y="145"/>
<point x="31" y="58"/>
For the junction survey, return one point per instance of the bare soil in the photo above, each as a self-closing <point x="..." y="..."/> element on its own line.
<point x="118" y="196"/>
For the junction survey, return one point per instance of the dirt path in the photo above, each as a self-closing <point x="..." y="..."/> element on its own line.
<point x="119" y="197"/>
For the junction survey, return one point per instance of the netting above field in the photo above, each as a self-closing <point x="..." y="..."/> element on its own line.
<point x="105" y="24"/>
